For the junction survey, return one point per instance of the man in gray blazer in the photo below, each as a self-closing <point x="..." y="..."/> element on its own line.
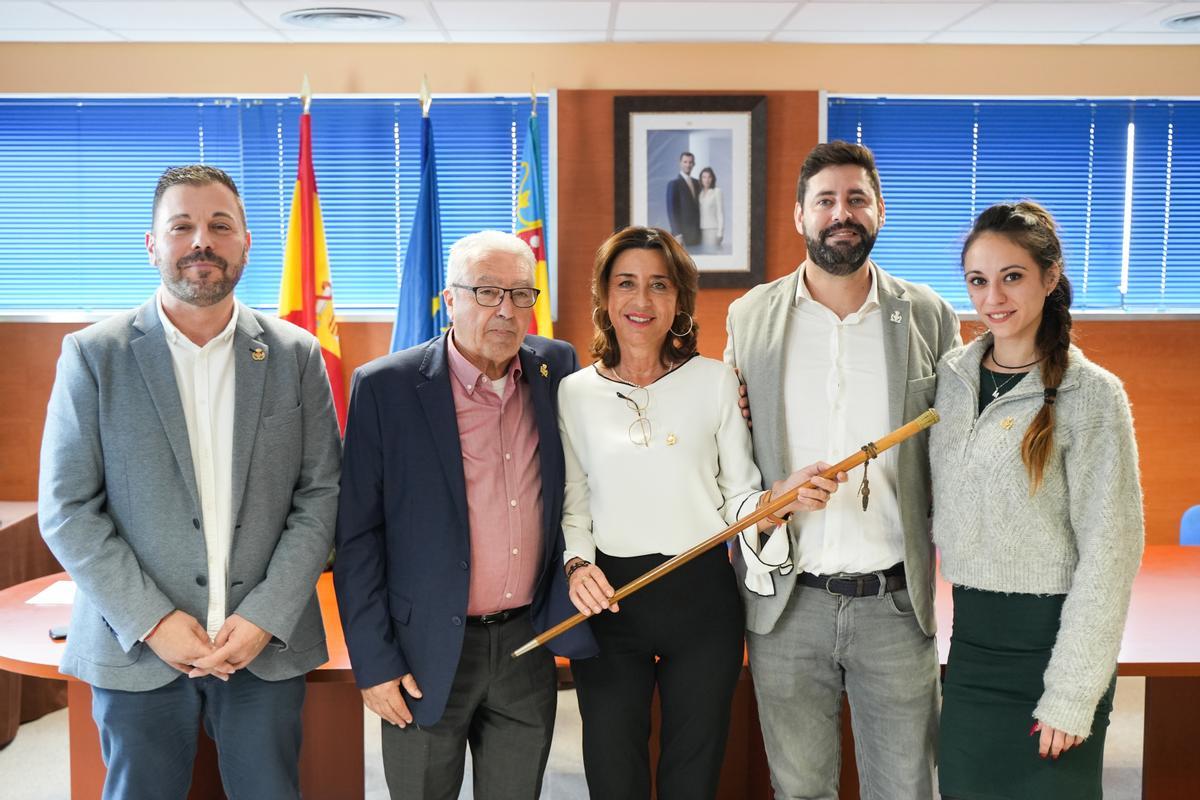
<point x="834" y="355"/>
<point x="189" y="486"/>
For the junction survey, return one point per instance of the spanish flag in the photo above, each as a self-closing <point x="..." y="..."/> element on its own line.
<point x="306" y="291"/>
<point x="531" y="224"/>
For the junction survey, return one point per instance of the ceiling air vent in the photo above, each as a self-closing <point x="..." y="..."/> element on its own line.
<point x="343" y="19"/>
<point x="1183" y="22"/>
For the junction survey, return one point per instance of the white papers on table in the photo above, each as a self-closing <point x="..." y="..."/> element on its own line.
<point x="59" y="593"/>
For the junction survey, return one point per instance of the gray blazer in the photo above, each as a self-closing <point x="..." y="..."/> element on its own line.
<point x="118" y="504"/>
<point x="918" y="327"/>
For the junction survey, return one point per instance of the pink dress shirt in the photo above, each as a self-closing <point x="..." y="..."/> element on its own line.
<point x="499" y="440"/>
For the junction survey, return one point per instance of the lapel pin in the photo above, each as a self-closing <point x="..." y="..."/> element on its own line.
<point x="545" y="371"/>
<point x="896" y="317"/>
<point x="258" y="354"/>
<point x="671" y="439"/>
<point x="1006" y="423"/>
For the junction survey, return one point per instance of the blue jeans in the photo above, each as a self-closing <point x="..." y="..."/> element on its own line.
<point x="148" y="739"/>
<point x="870" y="648"/>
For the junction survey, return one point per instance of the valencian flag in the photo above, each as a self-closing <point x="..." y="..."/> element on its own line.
<point x="306" y="293"/>
<point x="531" y="223"/>
<point x="419" y="313"/>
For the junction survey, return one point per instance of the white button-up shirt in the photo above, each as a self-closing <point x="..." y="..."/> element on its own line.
<point x="205" y="376"/>
<point x="836" y="400"/>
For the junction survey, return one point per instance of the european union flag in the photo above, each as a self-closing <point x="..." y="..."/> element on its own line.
<point x="419" y="313"/>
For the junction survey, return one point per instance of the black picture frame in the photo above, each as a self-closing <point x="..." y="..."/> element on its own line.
<point x="654" y="133"/>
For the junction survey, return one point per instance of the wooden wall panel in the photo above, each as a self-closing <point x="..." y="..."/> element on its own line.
<point x="585" y="157"/>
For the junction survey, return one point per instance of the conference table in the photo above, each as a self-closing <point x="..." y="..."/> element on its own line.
<point x="1161" y="643"/>
<point x="331" y="756"/>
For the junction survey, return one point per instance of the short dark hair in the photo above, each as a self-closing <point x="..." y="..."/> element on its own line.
<point x="686" y="153"/>
<point x="836" y="154"/>
<point x="680" y="269"/>
<point x="194" y="175"/>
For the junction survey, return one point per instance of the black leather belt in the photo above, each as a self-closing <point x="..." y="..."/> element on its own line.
<point x="864" y="585"/>
<point x="499" y="616"/>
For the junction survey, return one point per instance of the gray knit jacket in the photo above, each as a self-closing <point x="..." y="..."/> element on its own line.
<point x="1080" y="535"/>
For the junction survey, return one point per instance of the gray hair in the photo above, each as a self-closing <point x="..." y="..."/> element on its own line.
<point x="475" y="246"/>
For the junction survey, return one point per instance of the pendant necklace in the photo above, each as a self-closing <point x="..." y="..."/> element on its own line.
<point x="998" y="386"/>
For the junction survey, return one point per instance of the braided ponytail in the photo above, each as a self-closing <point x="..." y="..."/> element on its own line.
<point x="1030" y="226"/>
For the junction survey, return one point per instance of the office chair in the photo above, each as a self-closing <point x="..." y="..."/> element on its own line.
<point x="1189" y="526"/>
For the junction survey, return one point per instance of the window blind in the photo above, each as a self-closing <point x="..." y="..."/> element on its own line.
<point x="942" y="161"/>
<point x="77" y="178"/>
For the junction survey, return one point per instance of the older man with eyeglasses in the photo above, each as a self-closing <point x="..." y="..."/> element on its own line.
<point x="449" y="543"/>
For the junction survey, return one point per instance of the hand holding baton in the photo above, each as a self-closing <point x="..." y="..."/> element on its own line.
<point x="866" y="453"/>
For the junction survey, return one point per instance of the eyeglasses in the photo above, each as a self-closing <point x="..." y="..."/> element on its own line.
<point x="638" y="400"/>
<point x="492" y="296"/>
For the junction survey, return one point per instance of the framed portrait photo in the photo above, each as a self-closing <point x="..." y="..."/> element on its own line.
<point x="695" y="165"/>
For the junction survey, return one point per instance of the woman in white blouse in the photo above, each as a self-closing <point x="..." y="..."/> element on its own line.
<point x="712" y="213"/>
<point x="658" y="458"/>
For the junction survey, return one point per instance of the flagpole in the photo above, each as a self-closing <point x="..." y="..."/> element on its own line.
<point x="308" y="269"/>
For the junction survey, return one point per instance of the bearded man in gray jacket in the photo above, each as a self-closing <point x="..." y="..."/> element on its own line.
<point x="834" y="355"/>
<point x="189" y="482"/>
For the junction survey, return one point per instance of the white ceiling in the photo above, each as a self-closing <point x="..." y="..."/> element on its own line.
<point x="441" y="21"/>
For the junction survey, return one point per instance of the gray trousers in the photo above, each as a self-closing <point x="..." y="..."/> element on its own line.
<point x="872" y="649"/>
<point x="501" y="707"/>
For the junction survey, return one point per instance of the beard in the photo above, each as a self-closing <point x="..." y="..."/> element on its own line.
<point x="840" y="259"/>
<point x="202" y="292"/>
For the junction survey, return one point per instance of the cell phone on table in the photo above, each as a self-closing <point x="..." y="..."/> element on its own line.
<point x="58" y="632"/>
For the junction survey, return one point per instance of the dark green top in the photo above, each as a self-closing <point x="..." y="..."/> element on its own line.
<point x="994" y="384"/>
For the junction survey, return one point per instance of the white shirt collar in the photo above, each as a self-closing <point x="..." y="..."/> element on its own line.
<point x="871" y="301"/>
<point x="175" y="337"/>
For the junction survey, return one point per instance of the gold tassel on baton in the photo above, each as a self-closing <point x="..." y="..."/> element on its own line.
<point x="865" y="454"/>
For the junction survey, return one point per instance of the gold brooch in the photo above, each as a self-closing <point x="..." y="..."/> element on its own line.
<point x="671" y="439"/>
<point x="258" y="354"/>
<point x="545" y="371"/>
<point x="1006" y="423"/>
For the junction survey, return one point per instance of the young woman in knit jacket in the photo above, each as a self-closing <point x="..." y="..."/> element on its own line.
<point x="1038" y="516"/>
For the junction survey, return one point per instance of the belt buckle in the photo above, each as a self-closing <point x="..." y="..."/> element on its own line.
<point x="859" y="582"/>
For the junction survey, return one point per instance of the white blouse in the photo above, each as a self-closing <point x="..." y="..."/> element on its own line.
<point x="712" y="210"/>
<point x="696" y="477"/>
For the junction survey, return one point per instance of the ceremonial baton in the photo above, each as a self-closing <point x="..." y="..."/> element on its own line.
<point x="865" y="453"/>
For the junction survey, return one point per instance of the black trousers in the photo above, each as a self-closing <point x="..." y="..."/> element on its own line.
<point x="683" y="634"/>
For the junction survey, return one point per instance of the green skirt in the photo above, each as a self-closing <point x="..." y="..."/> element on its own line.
<point x="998" y="654"/>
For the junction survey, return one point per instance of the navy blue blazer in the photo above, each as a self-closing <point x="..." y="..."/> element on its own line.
<point x="403" y="546"/>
